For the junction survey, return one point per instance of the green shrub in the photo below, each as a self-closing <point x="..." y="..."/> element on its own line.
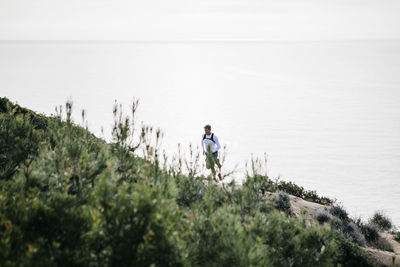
<point x="132" y="226"/>
<point x="258" y="184"/>
<point x="339" y="211"/>
<point x="220" y="239"/>
<point x="353" y="233"/>
<point x="397" y="236"/>
<point x="44" y="230"/>
<point x="190" y="189"/>
<point x="251" y="195"/>
<point x="19" y="143"/>
<point x="381" y="221"/>
<point x="37" y="120"/>
<point x="322" y="217"/>
<point x="371" y="234"/>
<point x="349" y="254"/>
<point x="299" y="191"/>
<point x="266" y="207"/>
<point x="290" y="243"/>
<point x="214" y="197"/>
<point x="283" y="201"/>
<point x="370" y="231"/>
<point x="337" y="223"/>
<point x="68" y="198"/>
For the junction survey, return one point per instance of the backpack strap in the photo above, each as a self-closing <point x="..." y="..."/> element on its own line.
<point x="212" y="137"/>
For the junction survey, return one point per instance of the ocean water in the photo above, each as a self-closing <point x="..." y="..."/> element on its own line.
<point x="327" y="113"/>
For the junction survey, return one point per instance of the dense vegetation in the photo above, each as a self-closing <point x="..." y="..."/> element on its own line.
<point x="68" y="198"/>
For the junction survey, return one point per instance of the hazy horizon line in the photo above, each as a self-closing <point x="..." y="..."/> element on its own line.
<point x="179" y="41"/>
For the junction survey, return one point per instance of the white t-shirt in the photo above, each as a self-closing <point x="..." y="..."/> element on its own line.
<point x="207" y="142"/>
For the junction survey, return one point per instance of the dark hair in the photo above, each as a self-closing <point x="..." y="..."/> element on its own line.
<point x="208" y="126"/>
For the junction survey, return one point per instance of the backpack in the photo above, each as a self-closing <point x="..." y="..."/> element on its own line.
<point x="212" y="137"/>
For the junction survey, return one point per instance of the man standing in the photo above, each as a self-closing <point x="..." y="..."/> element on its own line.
<point x="210" y="145"/>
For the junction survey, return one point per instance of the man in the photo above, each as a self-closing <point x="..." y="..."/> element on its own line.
<point x="210" y="144"/>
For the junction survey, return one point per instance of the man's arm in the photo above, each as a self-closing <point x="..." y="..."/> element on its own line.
<point x="217" y="142"/>
<point x="202" y="145"/>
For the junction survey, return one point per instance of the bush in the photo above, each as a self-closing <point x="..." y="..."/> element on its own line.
<point x="371" y="234"/>
<point x="348" y="229"/>
<point x="370" y="231"/>
<point x="397" y="236"/>
<point x="190" y="190"/>
<point x="350" y="254"/>
<point x="353" y="233"/>
<point x="68" y="198"/>
<point x="322" y="217"/>
<point x="220" y="239"/>
<point x="339" y="211"/>
<point x="44" y="231"/>
<point x="266" y="207"/>
<point x="299" y="191"/>
<point x="134" y="226"/>
<point x="283" y="201"/>
<point x="290" y="243"/>
<point x="337" y="223"/>
<point x="19" y="142"/>
<point x="381" y="221"/>
<point x="250" y="196"/>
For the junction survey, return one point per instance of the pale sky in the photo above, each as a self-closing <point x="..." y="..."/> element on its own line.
<point x="199" y="20"/>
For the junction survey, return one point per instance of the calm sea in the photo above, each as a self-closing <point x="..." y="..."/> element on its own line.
<point x="327" y="113"/>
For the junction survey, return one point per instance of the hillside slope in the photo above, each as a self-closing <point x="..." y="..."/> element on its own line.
<point x="68" y="198"/>
<point x="312" y="209"/>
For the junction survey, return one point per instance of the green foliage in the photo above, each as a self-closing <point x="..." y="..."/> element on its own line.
<point x="68" y="198"/>
<point x="259" y="174"/>
<point x="397" y="236"/>
<point x="339" y="212"/>
<point x="370" y="231"/>
<point x="350" y="254"/>
<point x="219" y="239"/>
<point x="131" y="227"/>
<point x="322" y="217"/>
<point x="381" y="221"/>
<point x="38" y="121"/>
<point x="353" y="233"/>
<point x="290" y="243"/>
<point x="19" y="143"/>
<point x="251" y="196"/>
<point x="43" y="230"/>
<point x="190" y="189"/>
<point x="341" y="222"/>
<point x="299" y="191"/>
<point x="371" y="234"/>
<point x="283" y="201"/>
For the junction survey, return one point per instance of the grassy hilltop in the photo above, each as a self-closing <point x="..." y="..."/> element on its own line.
<point x="68" y="198"/>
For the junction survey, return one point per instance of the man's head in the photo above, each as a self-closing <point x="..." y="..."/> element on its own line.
<point x="207" y="129"/>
